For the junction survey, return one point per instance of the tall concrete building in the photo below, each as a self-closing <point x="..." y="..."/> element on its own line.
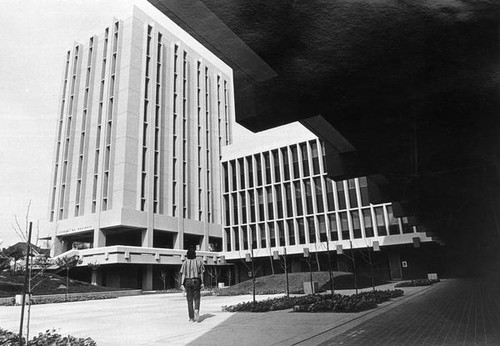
<point x="144" y="113"/>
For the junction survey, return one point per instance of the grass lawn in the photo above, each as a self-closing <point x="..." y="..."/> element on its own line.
<point x="49" y="283"/>
<point x="277" y="283"/>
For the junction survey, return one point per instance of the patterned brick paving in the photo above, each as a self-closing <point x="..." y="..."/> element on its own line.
<point x="457" y="312"/>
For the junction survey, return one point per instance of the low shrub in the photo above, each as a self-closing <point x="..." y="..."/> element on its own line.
<point x="49" y="337"/>
<point x="416" y="283"/>
<point x="9" y="338"/>
<point x="319" y="303"/>
<point x="62" y="299"/>
<point x="7" y="302"/>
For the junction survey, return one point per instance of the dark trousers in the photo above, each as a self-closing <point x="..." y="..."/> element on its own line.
<point x="193" y="288"/>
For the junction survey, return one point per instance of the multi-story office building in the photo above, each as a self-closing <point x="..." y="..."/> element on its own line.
<point x="144" y="112"/>
<point x="277" y="196"/>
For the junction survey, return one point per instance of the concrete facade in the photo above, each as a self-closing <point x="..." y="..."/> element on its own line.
<point x="144" y="113"/>
<point x="278" y="199"/>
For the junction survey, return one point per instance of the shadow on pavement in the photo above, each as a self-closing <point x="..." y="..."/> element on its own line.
<point x="204" y="317"/>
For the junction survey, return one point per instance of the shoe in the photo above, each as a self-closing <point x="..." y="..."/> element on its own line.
<point x="191" y="320"/>
<point x="197" y="315"/>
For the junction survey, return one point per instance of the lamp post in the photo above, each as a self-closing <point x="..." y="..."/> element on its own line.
<point x="354" y="267"/>
<point x="250" y="259"/>
<point x="307" y="255"/>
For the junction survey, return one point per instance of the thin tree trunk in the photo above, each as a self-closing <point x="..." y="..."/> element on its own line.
<point x="67" y="284"/>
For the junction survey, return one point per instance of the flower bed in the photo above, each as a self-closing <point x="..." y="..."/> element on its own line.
<point x="71" y="298"/>
<point x="50" y="337"/>
<point x="319" y="303"/>
<point x="415" y="283"/>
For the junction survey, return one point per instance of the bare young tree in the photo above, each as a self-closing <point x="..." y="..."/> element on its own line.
<point x="68" y="262"/>
<point x="22" y="232"/>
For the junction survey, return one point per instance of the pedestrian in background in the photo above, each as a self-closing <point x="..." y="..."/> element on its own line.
<point x="192" y="270"/>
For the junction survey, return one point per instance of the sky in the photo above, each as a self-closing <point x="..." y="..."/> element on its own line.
<point x="34" y="37"/>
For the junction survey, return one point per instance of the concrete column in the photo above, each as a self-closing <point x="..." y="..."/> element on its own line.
<point x="112" y="279"/>
<point x="236" y="275"/>
<point x="296" y="267"/>
<point x="147" y="237"/>
<point x="147" y="277"/>
<point x="204" y="240"/>
<point x="99" y="238"/>
<point x="179" y="239"/>
<point x="96" y="278"/>
<point x="57" y="247"/>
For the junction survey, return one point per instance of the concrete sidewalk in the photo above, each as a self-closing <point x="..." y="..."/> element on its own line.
<point x="161" y="319"/>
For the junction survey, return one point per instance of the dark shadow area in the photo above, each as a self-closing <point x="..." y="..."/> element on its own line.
<point x="204" y="317"/>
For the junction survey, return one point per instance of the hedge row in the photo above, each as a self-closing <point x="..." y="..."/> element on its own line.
<point x="227" y="292"/>
<point x="415" y="283"/>
<point x="50" y="337"/>
<point x="319" y="303"/>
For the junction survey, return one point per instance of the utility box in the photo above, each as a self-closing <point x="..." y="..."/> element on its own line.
<point x="432" y="276"/>
<point x="307" y="287"/>
<point x="221" y="285"/>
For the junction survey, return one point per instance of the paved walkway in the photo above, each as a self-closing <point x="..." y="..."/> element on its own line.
<point x="425" y="315"/>
<point x="454" y="312"/>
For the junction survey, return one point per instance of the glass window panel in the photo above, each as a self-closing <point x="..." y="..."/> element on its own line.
<point x="333" y="227"/>
<point x="226" y="177"/>
<point x="260" y="197"/>
<point x="305" y="160"/>
<point x="279" y="201"/>
<point x="319" y="195"/>
<point x="243" y="207"/>
<point x="281" y="233"/>
<point x="367" y="218"/>
<point x="311" y="229"/>
<point x="286" y="164"/>
<point x="291" y="231"/>
<point x="341" y="194"/>
<point x="242" y="173"/>
<point x="270" y="204"/>
<point x="322" y="228"/>
<point x="363" y="186"/>
<point x="227" y="209"/>
<point x="262" y="229"/>
<point x="258" y="163"/>
<point x="295" y="160"/>
<point x="356" y="224"/>
<point x="254" y="236"/>
<point x="252" y="205"/>
<point x="298" y="197"/>
<point x="344" y="225"/>
<point x="289" y="202"/>
<point x="228" y="238"/>
<point x="315" y="156"/>
<point x="393" y="222"/>
<point x="301" y="229"/>
<point x="353" y="199"/>
<point x="250" y="171"/>
<point x="379" y="214"/>
<point x="276" y="160"/>
<point x="309" y="201"/>
<point x="272" y="235"/>
<point x="329" y="195"/>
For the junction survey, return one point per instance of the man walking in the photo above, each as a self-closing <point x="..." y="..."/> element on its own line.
<point x="192" y="270"/>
